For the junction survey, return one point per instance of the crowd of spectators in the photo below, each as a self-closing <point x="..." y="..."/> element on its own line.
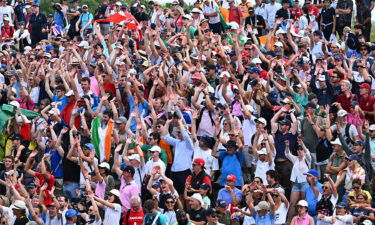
<point x="220" y="112"/>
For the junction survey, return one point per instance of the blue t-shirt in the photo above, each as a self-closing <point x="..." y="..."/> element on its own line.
<point x="225" y="195"/>
<point x="63" y="100"/>
<point x="85" y="17"/>
<point x="311" y="199"/>
<point x="231" y="165"/>
<point x="141" y="108"/>
<point x="56" y="163"/>
<point x="268" y="219"/>
<point x="59" y="18"/>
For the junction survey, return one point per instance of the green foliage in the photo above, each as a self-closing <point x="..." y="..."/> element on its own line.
<point x="46" y="5"/>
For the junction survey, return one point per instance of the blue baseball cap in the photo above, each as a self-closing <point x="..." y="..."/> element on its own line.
<point x="48" y="48"/>
<point x="312" y="172"/>
<point x="359" y="142"/>
<point x="353" y="157"/>
<point x="341" y="205"/>
<point x="89" y="146"/>
<point x="254" y="70"/>
<point x="71" y="212"/>
<point x="31" y="185"/>
<point x="221" y="203"/>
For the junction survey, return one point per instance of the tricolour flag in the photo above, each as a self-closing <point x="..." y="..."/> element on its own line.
<point x="102" y="138"/>
<point x="56" y="30"/>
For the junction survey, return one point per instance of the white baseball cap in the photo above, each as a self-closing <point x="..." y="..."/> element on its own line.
<point x="84" y="44"/>
<point x="155" y="149"/>
<point x="198" y="197"/>
<point x="104" y="165"/>
<point x="278" y="44"/>
<point x="135" y="157"/>
<point x="256" y="61"/>
<point x="336" y="142"/>
<point x="224" y="73"/>
<point x="342" y="113"/>
<point x="115" y="192"/>
<point x="302" y="203"/>
<point x="261" y="120"/>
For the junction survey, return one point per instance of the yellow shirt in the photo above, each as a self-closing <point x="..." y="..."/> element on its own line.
<point x="352" y="194"/>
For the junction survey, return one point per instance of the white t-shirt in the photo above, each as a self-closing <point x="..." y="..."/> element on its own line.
<point x="271" y="13"/>
<point x="280" y="214"/>
<point x="99" y="222"/>
<point x="261" y="170"/>
<point x="248" y="129"/>
<point x="151" y="164"/>
<point x="112" y="216"/>
<point x="211" y="163"/>
<point x="209" y="10"/>
<point x="230" y="94"/>
<point x="54" y="221"/>
<point x="8" y="10"/>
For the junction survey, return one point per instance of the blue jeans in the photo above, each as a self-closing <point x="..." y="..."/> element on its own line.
<point x="300" y="187"/>
<point x="70" y="190"/>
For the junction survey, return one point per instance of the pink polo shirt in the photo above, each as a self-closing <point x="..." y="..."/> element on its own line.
<point x="302" y="221"/>
<point x="127" y="190"/>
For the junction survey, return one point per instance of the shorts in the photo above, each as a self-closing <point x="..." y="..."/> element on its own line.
<point x="300" y="187"/>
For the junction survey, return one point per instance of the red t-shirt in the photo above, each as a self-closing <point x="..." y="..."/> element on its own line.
<point x="133" y="218"/>
<point x="66" y="113"/>
<point x="25" y="131"/>
<point x="234" y="15"/>
<point x="313" y="10"/>
<point x="296" y="13"/>
<point x="51" y="183"/>
<point x="345" y="102"/>
<point x="367" y="105"/>
<point x="110" y="87"/>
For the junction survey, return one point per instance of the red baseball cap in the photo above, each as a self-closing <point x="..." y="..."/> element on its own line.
<point x="231" y="177"/>
<point x="365" y="85"/>
<point x="199" y="161"/>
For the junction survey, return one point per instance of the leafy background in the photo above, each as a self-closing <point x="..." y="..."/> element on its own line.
<point x="92" y="4"/>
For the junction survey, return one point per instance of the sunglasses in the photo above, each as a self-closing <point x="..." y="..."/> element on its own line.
<point x="214" y="216"/>
<point x="355" y="188"/>
<point x="275" y="196"/>
<point x="232" y="135"/>
<point x="363" y="67"/>
<point x="169" y="202"/>
<point x="363" y="49"/>
<point x="334" y="77"/>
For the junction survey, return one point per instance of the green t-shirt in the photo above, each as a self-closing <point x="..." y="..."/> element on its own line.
<point x="336" y="161"/>
<point x="301" y="101"/>
<point x="163" y="154"/>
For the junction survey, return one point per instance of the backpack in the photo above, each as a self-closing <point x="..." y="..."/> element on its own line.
<point x="348" y="140"/>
